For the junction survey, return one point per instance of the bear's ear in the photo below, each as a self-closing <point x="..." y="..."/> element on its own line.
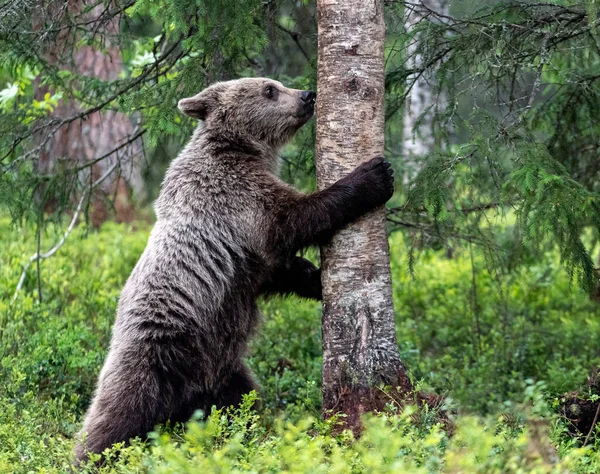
<point x="196" y="107"/>
<point x="203" y="103"/>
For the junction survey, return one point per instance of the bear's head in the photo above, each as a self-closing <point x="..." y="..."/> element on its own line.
<point x="260" y="108"/>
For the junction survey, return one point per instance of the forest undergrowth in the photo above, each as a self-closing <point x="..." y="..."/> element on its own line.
<point x="502" y="350"/>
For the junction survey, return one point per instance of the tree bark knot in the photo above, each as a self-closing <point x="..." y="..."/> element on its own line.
<point x="352" y="85"/>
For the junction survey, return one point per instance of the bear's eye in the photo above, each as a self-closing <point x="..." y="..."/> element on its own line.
<point x="270" y="92"/>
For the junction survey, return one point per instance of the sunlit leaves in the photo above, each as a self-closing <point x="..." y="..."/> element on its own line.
<point x="8" y="95"/>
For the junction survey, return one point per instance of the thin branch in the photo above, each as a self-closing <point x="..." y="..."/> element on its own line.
<point x="39" y="244"/>
<point x="106" y="16"/>
<point x="37" y="256"/>
<point x="464" y="210"/>
<point x="593" y="425"/>
<point x="296" y="37"/>
<point x="58" y="122"/>
<point x="538" y="78"/>
<point x="129" y="141"/>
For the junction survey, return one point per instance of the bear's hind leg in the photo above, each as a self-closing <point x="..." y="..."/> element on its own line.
<point x="239" y="383"/>
<point x="129" y="410"/>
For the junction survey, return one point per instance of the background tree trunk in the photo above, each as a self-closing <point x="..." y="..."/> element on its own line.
<point x="421" y="103"/>
<point x="360" y="351"/>
<point x="101" y="132"/>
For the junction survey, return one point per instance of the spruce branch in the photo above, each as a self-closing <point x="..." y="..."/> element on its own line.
<point x="58" y="122"/>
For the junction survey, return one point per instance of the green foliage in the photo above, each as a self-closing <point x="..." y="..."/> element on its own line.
<point x="556" y="207"/>
<point x="516" y="90"/>
<point x="390" y="443"/>
<point x="486" y="314"/>
<point x="502" y="349"/>
<point x="170" y="50"/>
<point x="552" y="209"/>
<point x="481" y="337"/>
<point x="515" y="97"/>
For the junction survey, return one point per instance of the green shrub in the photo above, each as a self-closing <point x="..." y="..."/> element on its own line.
<point x="479" y="337"/>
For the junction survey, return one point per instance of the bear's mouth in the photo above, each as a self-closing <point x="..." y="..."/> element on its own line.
<point x="307" y="111"/>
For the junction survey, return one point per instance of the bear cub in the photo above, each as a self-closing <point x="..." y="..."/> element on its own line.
<point x="227" y="230"/>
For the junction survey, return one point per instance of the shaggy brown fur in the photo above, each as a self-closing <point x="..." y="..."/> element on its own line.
<point x="227" y="230"/>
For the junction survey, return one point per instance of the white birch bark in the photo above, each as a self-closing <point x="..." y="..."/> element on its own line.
<point x="419" y="108"/>
<point x="359" y="341"/>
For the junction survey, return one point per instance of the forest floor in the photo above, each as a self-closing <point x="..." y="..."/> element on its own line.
<point x="502" y="349"/>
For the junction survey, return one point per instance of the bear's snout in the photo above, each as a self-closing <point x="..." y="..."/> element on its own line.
<point x="308" y="97"/>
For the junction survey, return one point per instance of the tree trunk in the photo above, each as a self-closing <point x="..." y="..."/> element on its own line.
<point x="360" y="352"/>
<point x="418" y="137"/>
<point x="101" y="132"/>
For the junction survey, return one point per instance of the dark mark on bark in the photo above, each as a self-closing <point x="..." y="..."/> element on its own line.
<point x="352" y="85"/>
<point x="367" y="92"/>
<point x="352" y="50"/>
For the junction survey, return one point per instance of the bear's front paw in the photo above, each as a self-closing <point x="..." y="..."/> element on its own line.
<point x="375" y="178"/>
<point x="314" y="288"/>
<point x="310" y="276"/>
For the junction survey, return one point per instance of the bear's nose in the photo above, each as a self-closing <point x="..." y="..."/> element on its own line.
<point x="308" y="96"/>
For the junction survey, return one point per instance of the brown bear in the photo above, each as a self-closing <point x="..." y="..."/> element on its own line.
<point x="227" y="231"/>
